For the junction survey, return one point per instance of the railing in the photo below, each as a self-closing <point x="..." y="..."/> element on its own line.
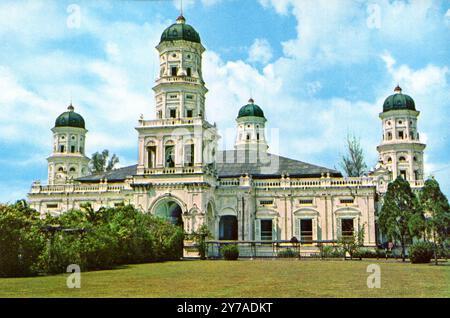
<point x="171" y="122"/>
<point x="270" y="249"/>
<point x="171" y="79"/>
<point x="74" y="188"/>
<point x="174" y="170"/>
<point x="310" y="183"/>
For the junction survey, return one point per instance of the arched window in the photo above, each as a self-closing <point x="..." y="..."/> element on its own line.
<point x="60" y="169"/>
<point x="169" y="154"/>
<point x="389" y="160"/>
<point x="73" y="169"/>
<point x="402" y="159"/>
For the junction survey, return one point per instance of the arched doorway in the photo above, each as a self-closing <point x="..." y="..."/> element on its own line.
<point x="228" y="229"/>
<point x="171" y="211"/>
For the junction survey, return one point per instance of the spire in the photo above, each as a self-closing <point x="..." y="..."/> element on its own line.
<point x="181" y="19"/>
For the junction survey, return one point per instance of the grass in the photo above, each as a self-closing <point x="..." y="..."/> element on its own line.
<point x="267" y="278"/>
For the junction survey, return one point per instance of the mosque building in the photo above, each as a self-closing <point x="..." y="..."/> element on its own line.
<point x="245" y="193"/>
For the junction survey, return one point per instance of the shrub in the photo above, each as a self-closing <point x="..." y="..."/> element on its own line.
<point x="331" y="252"/>
<point x="421" y="252"/>
<point x="91" y="239"/>
<point x="287" y="253"/>
<point x="21" y="241"/>
<point x="365" y="253"/>
<point x="200" y="237"/>
<point x="230" y="252"/>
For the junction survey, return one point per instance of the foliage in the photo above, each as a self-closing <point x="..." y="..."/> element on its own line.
<point x="100" y="162"/>
<point x="200" y="237"/>
<point x="91" y="239"/>
<point x="401" y="217"/>
<point x="353" y="162"/>
<point x="331" y="252"/>
<point x="437" y="212"/>
<point x="352" y="244"/>
<point x="230" y="252"/>
<point x="421" y="252"/>
<point x="21" y="241"/>
<point x="287" y="253"/>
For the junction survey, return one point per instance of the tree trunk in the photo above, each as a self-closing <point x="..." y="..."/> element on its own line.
<point x="403" y="249"/>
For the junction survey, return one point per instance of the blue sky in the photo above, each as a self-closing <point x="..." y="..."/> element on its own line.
<point x="319" y="69"/>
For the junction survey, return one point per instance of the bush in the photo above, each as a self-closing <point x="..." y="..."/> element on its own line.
<point x="91" y="239"/>
<point x="331" y="252"/>
<point x="421" y="252"/>
<point x="287" y="253"/>
<point x="21" y="242"/>
<point x="366" y="253"/>
<point x="230" y="252"/>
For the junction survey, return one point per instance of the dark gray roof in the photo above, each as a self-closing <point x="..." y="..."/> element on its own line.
<point x="233" y="163"/>
<point x="112" y="176"/>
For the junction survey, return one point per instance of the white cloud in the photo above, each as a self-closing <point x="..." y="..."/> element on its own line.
<point x="260" y="51"/>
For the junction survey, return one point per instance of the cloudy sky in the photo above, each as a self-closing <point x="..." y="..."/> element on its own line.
<point x="319" y="69"/>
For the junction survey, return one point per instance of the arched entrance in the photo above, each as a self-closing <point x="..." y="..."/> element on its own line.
<point x="171" y="211"/>
<point x="228" y="229"/>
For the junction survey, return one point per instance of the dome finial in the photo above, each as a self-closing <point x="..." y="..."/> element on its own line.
<point x="397" y="89"/>
<point x="251" y="101"/>
<point x="181" y="19"/>
<point x="70" y="108"/>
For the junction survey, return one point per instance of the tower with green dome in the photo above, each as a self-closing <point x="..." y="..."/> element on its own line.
<point x="68" y="160"/>
<point x="251" y="128"/>
<point x="401" y="151"/>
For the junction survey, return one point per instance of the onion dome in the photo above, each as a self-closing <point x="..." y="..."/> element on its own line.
<point x="398" y="101"/>
<point x="180" y="31"/>
<point x="70" y="119"/>
<point x="251" y="109"/>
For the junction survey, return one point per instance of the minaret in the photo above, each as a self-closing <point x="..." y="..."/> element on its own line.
<point x="180" y="89"/>
<point x="401" y="151"/>
<point x="68" y="160"/>
<point x="179" y="139"/>
<point x="251" y="128"/>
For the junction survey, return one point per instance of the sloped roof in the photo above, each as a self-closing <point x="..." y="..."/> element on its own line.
<point x="112" y="176"/>
<point x="234" y="163"/>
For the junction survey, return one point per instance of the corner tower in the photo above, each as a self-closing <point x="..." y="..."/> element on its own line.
<point x="68" y="160"/>
<point x="401" y="151"/>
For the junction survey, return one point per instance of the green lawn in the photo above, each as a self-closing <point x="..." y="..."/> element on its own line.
<point x="277" y="278"/>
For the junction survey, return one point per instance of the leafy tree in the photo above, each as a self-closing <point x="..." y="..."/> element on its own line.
<point x="21" y="241"/>
<point x="352" y="245"/>
<point x="353" y="162"/>
<point x="401" y="218"/>
<point x="437" y="211"/>
<point x="101" y="162"/>
<point x="200" y="237"/>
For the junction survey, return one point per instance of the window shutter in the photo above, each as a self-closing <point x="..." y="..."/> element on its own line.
<point x="257" y="230"/>
<point x="338" y="228"/>
<point x="274" y="229"/>
<point x="297" y="229"/>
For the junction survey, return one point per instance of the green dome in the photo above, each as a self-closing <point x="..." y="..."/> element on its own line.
<point x="180" y="31"/>
<point x="251" y="109"/>
<point x="398" y="101"/>
<point x="70" y="119"/>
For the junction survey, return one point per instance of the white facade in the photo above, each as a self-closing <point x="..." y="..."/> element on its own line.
<point x="182" y="176"/>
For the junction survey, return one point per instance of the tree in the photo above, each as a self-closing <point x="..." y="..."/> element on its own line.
<point x="400" y="218"/>
<point x="353" y="162"/>
<point x="437" y="210"/>
<point x="100" y="162"/>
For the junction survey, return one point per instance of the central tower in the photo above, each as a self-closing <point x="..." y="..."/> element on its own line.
<point x="179" y="140"/>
